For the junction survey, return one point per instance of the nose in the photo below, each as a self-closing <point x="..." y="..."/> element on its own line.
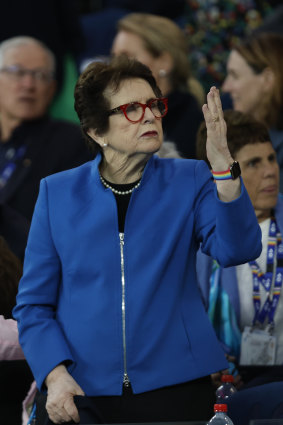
<point x="28" y="80"/>
<point x="148" y="115"/>
<point x="226" y="86"/>
<point x="270" y="169"/>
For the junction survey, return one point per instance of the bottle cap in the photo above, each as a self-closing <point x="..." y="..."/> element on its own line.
<point x="227" y="378"/>
<point x="220" y="407"/>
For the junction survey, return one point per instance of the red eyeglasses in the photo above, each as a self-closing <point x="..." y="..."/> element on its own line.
<point x="134" y="111"/>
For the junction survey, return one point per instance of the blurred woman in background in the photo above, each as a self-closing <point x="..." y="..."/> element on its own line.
<point x="160" y="44"/>
<point x="255" y="83"/>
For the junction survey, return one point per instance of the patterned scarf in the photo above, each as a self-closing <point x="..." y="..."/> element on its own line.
<point x="222" y="314"/>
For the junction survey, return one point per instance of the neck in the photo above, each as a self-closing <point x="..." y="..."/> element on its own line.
<point x="164" y="85"/>
<point x="260" y="113"/>
<point x="263" y="215"/>
<point x="7" y="127"/>
<point x="122" y="170"/>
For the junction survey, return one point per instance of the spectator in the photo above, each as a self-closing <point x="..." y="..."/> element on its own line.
<point x="237" y="302"/>
<point x="14" y="229"/>
<point x="15" y="374"/>
<point x="255" y="83"/>
<point x="10" y="274"/>
<point x="32" y="145"/>
<point x="10" y="348"/>
<point x="214" y="27"/>
<point x="108" y="282"/>
<point x="160" y="44"/>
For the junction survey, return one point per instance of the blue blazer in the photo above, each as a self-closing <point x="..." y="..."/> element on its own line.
<point x="70" y="295"/>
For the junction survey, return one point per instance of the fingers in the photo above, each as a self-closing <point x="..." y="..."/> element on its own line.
<point x="211" y="103"/>
<point x="231" y="359"/>
<point x="218" y="103"/>
<point x="72" y="410"/>
<point x="63" y="410"/>
<point x="61" y="388"/>
<point x="213" y="109"/>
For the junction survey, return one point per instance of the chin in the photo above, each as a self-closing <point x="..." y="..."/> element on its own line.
<point x="237" y="107"/>
<point x="151" y="147"/>
<point x="31" y="113"/>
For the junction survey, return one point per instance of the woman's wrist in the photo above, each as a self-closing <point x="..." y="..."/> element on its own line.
<point x="228" y="190"/>
<point x="221" y="164"/>
<point x="55" y="373"/>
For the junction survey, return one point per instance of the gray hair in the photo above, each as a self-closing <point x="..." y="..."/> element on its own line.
<point x="10" y="43"/>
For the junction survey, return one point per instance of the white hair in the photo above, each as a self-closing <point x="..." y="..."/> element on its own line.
<point x="168" y="150"/>
<point x="10" y="43"/>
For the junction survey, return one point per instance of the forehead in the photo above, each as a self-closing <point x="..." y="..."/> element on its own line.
<point x="255" y="150"/>
<point x="127" y="42"/>
<point x="236" y="61"/>
<point x="132" y="90"/>
<point x="31" y="55"/>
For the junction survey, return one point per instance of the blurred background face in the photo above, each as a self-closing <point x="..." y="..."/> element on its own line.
<point x="260" y="172"/>
<point x="133" y="46"/>
<point x="244" y="86"/>
<point x="26" y="97"/>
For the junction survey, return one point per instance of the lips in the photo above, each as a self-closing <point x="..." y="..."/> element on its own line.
<point x="150" y="134"/>
<point x="270" y="189"/>
<point x="26" y="99"/>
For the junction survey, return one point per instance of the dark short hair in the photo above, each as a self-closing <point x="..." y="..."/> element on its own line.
<point x="91" y="103"/>
<point x="242" y="130"/>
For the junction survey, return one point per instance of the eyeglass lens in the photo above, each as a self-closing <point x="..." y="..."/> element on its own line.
<point x="19" y="72"/>
<point x="134" y="111"/>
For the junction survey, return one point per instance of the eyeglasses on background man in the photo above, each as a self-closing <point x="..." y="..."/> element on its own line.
<point x="18" y="72"/>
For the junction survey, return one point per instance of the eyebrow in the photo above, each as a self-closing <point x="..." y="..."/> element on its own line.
<point x="232" y="72"/>
<point x="139" y="101"/>
<point x="253" y="158"/>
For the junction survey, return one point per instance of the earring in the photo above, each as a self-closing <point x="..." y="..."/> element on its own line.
<point x="162" y="73"/>
<point x="104" y="145"/>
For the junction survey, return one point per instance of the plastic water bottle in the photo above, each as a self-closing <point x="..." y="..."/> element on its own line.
<point x="220" y="417"/>
<point x="226" y="389"/>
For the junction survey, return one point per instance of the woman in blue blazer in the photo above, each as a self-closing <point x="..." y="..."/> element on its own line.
<point x="108" y="305"/>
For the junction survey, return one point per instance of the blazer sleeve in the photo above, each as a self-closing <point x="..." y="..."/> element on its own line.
<point x="40" y="335"/>
<point x="228" y="231"/>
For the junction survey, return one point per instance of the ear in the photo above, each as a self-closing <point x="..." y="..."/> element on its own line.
<point x="100" y="140"/>
<point x="268" y="78"/>
<point x="165" y="61"/>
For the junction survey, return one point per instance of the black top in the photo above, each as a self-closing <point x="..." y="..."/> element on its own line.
<point x="122" y="201"/>
<point x="182" y="121"/>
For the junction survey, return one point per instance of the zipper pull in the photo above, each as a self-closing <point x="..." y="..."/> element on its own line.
<point x="126" y="381"/>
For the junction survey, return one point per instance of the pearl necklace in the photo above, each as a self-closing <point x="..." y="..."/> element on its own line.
<point x="118" y="192"/>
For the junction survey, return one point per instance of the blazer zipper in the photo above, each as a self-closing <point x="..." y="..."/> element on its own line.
<point x="126" y="380"/>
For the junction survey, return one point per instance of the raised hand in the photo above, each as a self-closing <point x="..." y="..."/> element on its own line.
<point x="217" y="149"/>
<point x="216" y="146"/>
